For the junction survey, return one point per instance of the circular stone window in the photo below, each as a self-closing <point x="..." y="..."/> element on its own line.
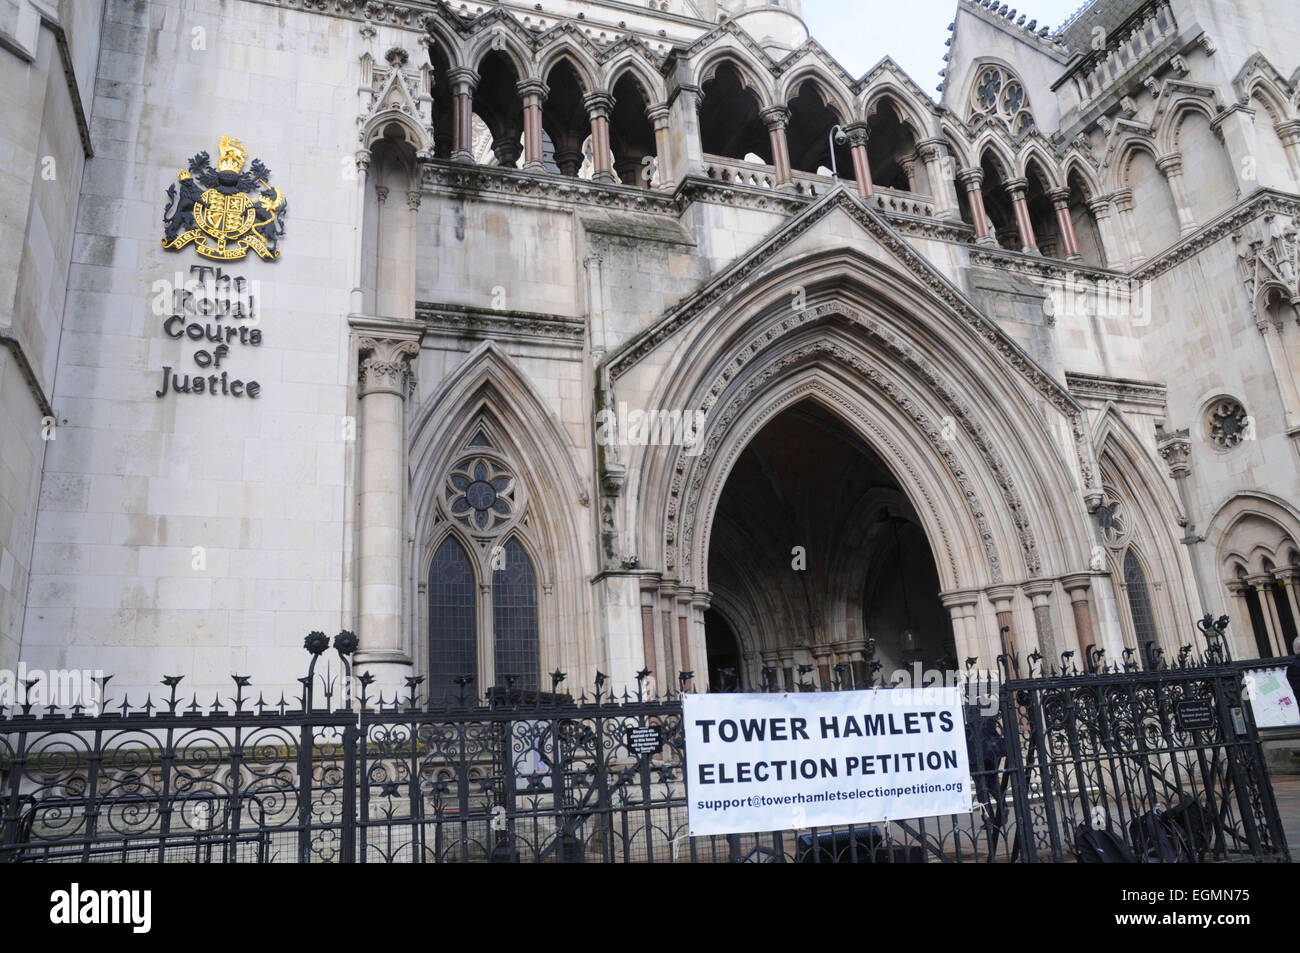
<point x="1227" y="424"/>
<point x="481" y="494"/>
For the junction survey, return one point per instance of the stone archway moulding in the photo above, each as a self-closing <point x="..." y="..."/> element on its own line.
<point x="689" y="474"/>
<point x="916" y="269"/>
<point x="874" y="435"/>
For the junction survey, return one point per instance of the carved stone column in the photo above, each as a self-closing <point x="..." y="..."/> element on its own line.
<point x="684" y="154"/>
<point x="854" y="653"/>
<point x="972" y="180"/>
<point x="1242" y="631"/>
<point x="1290" y="579"/>
<point x="357" y="301"/>
<point x="1128" y="226"/>
<point x="1001" y="597"/>
<point x="659" y="116"/>
<point x="384" y="382"/>
<point x="1171" y="167"/>
<point x="668" y="638"/>
<point x="961" y="606"/>
<point x="682" y="620"/>
<point x="909" y="169"/>
<point x="1065" y="224"/>
<point x="1289" y="133"/>
<point x="533" y="93"/>
<point x="649" y="595"/>
<point x="1076" y="586"/>
<point x="599" y="105"/>
<point x="1110" y="243"/>
<point x="1175" y="448"/>
<point x="1017" y="189"/>
<point x="695" y="627"/>
<point x="776" y="118"/>
<point x="822" y="656"/>
<point x="1263" y="586"/>
<point x="1040" y="592"/>
<point x="463" y="82"/>
<point x="933" y="153"/>
<point x="858" y="134"/>
<point x="786" y="661"/>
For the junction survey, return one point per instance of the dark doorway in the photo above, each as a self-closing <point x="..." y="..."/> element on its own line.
<point x="815" y="539"/>
<point x="724" y="654"/>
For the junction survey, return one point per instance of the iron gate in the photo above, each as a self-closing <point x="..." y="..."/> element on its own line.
<point x="1166" y="763"/>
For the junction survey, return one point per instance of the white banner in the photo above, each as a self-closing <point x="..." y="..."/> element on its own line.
<point x="1271" y="698"/>
<point x="815" y="759"/>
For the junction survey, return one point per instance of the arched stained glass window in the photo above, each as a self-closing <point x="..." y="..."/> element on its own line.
<point x="514" y="619"/>
<point x="452" y="647"/>
<point x="1139" y="603"/>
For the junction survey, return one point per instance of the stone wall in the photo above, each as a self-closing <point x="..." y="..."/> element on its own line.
<point x="202" y="534"/>
<point x="47" y="58"/>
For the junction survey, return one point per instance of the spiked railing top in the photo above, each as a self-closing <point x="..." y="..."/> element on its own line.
<point x="330" y="690"/>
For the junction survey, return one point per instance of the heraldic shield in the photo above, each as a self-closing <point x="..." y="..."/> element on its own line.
<point x="214" y="210"/>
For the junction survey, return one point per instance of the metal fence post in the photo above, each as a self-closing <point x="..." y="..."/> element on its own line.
<point x="1016" y="768"/>
<point x="350" y="732"/>
<point x="305" y="737"/>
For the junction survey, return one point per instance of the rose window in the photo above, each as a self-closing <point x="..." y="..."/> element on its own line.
<point x="1227" y="423"/>
<point x="999" y="94"/>
<point x="481" y="494"/>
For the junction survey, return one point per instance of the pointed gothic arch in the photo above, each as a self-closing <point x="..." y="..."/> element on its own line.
<point x="1153" y="523"/>
<point x="912" y="111"/>
<point x="503" y="39"/>
<point x="832" y="93"/>
<point x="1255" y="539"/>
<point x="565" y="50"/>
<point x="749" y="71"/>
<point x="858" y="350"/>
<point x="486" y="409"/>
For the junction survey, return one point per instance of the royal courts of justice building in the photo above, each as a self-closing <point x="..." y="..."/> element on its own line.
<point x="587" y="335"/>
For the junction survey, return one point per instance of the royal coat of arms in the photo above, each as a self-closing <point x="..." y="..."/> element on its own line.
<point x="214" y="210"/>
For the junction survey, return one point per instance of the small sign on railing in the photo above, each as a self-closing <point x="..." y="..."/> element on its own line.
<point x="1195" y="714"/>
<point x="645" y="739"/>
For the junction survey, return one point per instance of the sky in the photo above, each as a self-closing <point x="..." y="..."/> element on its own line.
<point x="859" y="32"/>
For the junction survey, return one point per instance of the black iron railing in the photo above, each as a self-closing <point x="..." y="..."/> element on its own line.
<point x="1111" y="763"/>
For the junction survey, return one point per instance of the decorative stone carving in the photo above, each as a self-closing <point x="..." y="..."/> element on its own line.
<point x="1268" y="202"/>
<point x="1175" y="448"/>
<point x="1268" y="253"/>
<point x="395" y="91"/>
<point x="1226" y="423"/>
<point x="689" y="495"/>
<point x="385" y="365"/>
<point x="1057" y="395"/>
<point x="480" y="493"/>
<point x="1113" y="522"/>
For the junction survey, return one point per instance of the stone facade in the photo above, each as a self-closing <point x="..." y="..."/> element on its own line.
<point x="1041" y="335"/>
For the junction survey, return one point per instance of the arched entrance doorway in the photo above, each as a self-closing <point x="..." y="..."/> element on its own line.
<point x="815" y="540"/>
